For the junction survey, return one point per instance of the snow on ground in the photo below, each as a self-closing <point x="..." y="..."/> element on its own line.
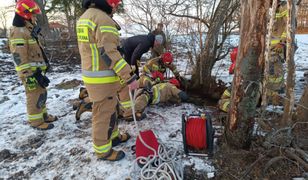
<point x="65" y="152"/>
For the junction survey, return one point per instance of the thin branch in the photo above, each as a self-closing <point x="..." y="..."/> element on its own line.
<point x="192" y="17"/>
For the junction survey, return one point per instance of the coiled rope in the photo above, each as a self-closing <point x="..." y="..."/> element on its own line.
<point x="196" y="133"/>
<point x="163" y="165"/>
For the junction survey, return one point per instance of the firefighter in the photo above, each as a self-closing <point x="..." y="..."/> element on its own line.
<point x="224" y="102"/>
<point x="104" y="73"/>
<point x="159" y="50"/>
<point x="275" y="83"/>
<point x="29" y="62"/>
<point x="160" y="64"/>
<point x="134" y="47"/>
<point x="160" y="93"/>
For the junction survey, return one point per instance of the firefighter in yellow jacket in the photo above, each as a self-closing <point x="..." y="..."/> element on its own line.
<point x="224" y="102"/>
<point x="104" y="73"/>
<point x="278" y="46"/>
<point x="160" y="64"/>
<point x="29" y="62"/>
<point x="160" y="93"/>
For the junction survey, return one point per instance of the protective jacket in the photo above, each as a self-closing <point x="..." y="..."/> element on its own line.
<point x="279" y="33"/>
<point x="224" y="102"/>
<point x="161" y="93"/>
<point x="102" y="65"/>
<point x="134" y="47"/>
<point x="26" y="52"/>
<point x="156" y="64"/>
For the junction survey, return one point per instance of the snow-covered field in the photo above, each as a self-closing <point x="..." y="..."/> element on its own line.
<point x="65" y="152"/>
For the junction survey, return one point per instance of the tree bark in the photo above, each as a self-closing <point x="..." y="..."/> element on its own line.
<point x="248" y="73"/>
<point x="42" y="19"/>
<point x="207" y="59"/>
<point x="289" y="101"/>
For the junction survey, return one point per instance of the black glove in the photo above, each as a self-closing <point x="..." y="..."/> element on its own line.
<point x="42" y="80"/>
<point x="35" y="32"/>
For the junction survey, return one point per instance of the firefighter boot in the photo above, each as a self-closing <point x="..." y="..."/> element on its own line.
<point x="41" y="125"/>
<point x="112" y="155"/>
<point x="120" y="139"/>
<point x="84" y="107"/>
<point x="83" y="93"/>
<point x="49" y="118"/>
<point x="76" y="104"/>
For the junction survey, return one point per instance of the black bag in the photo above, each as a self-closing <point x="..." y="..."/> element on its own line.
<point x="42" y="80"/>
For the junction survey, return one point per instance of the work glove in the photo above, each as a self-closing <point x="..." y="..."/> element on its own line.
<point x="132" y="83"/>
<point x="42" y="80"/>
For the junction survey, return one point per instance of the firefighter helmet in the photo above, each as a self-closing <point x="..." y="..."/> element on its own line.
<point x="26" y="9"/>
<point x="105" y="5"/>
<point x="167" y="58"/>
<point x="175" y="82"/>
<point x="113" y="3"/>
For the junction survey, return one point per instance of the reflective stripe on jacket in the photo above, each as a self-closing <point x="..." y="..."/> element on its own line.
<point x="98" y="38"/>
<point x="164" y="92"/>
<point x="280" y="25"/>
<point x="27" y="54"/>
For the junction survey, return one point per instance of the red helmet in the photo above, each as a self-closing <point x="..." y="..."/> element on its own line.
<point x="157" y="74"/>
<point x="167" y="57"/>
<point x="26" y="8"/>
<point x="113" y="3"/>
<point x="233" y="54"/>
<point x="175" y="82"/>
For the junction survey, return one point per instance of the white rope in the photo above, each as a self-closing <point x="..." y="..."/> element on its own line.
<point x="160" y="166"/>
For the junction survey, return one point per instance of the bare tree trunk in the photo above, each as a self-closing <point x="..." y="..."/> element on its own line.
<point x="248" y="73"/>
<point x="267" y="54"/>
<point x="42" y="19"/>
<point x="208" y="56"/>
<point x="289" y="102"/>
<point x="302" y="108"/>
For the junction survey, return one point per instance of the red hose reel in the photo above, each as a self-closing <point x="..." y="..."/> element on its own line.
<point x="198" y="134"/>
